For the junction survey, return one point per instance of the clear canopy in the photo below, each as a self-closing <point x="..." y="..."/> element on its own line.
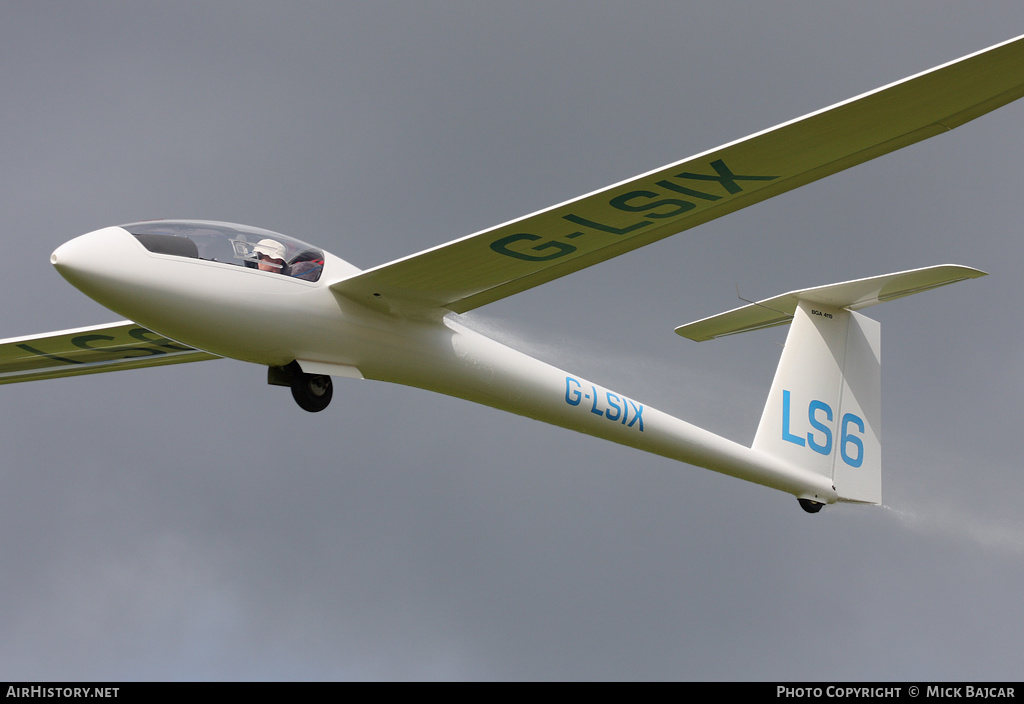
<point x="223" y="242"/>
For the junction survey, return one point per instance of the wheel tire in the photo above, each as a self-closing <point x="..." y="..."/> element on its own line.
<point x="810" y="506"/>
<point x="312" y="392"/>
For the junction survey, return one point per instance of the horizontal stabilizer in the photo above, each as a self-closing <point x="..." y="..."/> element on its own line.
<point x="851" y="295"/>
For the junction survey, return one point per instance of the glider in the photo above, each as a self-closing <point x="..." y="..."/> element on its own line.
<point x="194" y="290"/>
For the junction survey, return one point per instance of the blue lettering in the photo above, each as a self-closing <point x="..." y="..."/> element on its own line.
<point x="786" y="435"/>
<point x="847" y="439"/>
<point x="616" y="407"/>
<point x="613" y="402"/>
<point x="826" y="448"/>
<point x="572" y="395"/>
<point x="593" y="408"/>
<point x="639" y="408"/>
<point x="851" y="447"/>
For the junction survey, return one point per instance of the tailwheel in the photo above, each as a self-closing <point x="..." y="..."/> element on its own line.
<point x="312" y="392"/>
<point x="810" y="505"/>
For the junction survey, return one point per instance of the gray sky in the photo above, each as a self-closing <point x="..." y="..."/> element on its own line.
<point x="191" y="522"/>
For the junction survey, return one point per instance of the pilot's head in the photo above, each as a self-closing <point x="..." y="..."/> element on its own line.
<point x="270" y="255"/>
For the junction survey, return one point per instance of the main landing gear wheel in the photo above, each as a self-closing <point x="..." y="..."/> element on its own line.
<point x="810" y="506"/>
<point x="312" y="392"/>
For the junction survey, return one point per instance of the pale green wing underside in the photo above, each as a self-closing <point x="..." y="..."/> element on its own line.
<point x="100" y="348"/>
<point x="523" y="253"/>
<point x="852" y="295"/>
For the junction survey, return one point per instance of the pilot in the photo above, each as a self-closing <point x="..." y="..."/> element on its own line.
<point x="270" y="256"/>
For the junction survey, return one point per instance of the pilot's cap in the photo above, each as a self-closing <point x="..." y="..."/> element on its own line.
<point x="270" y="248"/>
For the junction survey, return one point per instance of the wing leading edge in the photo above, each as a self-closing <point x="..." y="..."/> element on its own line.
<point x="89" y="350"/>
<point x="498" y="262"/>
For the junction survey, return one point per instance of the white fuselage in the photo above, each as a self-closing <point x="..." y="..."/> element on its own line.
<point x="270" y="319"/>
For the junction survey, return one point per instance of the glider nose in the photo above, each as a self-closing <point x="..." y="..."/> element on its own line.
<point x="67" y="257"/>
<point x="90" y="262"/>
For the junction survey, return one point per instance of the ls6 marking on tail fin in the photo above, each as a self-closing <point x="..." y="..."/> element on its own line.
<point x="822" y="444"/>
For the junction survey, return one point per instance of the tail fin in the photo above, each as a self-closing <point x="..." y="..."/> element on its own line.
<point x="824" y="408"/>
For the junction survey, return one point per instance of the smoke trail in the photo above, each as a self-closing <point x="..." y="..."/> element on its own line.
<point x="721" y="403"/>
<point x="949" y="521"/>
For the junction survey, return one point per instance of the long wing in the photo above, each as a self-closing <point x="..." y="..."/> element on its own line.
<point x="100" y="348"/>
<point x="523" y="253"/>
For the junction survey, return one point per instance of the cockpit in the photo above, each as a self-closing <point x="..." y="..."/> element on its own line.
<point x="226" y="243"/>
